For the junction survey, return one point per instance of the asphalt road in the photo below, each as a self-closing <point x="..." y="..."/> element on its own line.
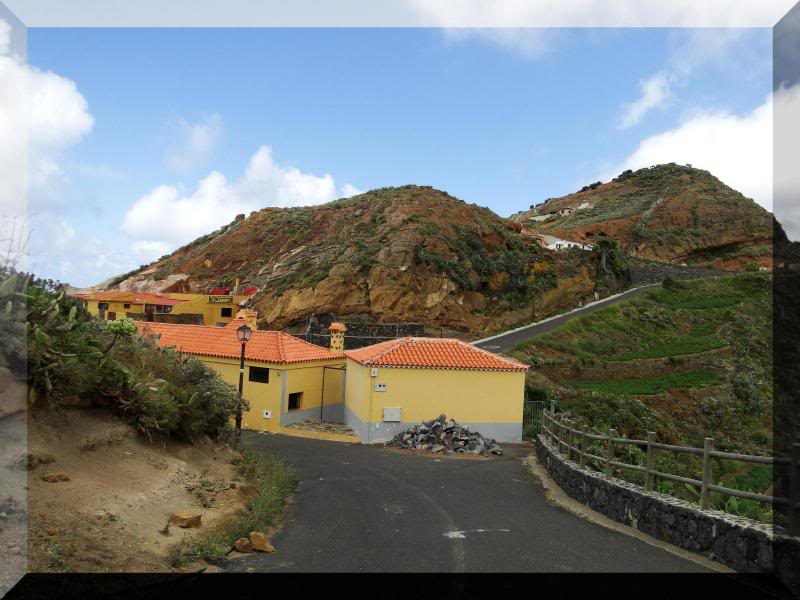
<point x="510" y="339"/>
<point x="373" y="509"/>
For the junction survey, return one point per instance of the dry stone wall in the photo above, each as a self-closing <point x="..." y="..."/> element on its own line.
<point x="741" y="544"/>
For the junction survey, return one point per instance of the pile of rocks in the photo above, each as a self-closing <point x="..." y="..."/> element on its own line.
<point x="443" y="435"/>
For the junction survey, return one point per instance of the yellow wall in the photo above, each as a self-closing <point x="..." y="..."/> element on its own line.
<point x="113" y="306"/>
<point x="479" y="397"/>
<point x="198" y="304"/>
<point x="283" y="380"/>
<point x="211" y="311"/>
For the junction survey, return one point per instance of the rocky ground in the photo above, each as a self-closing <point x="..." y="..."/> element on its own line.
<point x="102" y="498"/>
<point x="447" y="436"/>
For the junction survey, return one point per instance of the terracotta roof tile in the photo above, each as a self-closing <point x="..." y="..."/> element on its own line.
<point x="264" y="346"/>
<point x="432" y="353"/>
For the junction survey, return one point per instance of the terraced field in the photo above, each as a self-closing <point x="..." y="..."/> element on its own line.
<point x="689" y="360"/>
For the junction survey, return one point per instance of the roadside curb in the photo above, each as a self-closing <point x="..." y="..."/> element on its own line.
<point x="557" y="497"/>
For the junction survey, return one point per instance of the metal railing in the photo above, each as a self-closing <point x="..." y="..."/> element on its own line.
<point x="567" y="439"/>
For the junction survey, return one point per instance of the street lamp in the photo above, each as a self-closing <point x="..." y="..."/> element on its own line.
<point x="244" y="333"/>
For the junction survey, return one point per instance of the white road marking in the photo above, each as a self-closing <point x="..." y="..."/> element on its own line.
<point x="460" y="535"/>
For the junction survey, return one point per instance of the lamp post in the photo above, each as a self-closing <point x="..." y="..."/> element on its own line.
<point x="243" y="333"/>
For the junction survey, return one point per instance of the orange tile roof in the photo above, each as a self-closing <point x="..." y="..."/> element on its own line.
<point x="340" y="327"/>
<point x="264" y="346"/>
<point x="432" y="353"/>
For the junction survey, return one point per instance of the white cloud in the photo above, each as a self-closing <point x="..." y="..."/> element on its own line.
<point x="654" y="94"/>
<point x="786" y="111"/>
<point x="195" y="144"/>
<point x="165" y="218"/>
<point x="736" y="149"/>
<point x="528" y="43"/>
<point x="601" y="13"/>
<point x="57" y="117"/>
<point x="690" y="51"/>
<point x="349" y="190"/>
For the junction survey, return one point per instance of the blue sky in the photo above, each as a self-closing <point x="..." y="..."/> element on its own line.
<point x="501" y="120"/>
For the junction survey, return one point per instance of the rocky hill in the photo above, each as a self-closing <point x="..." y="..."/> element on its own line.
<point x="668" y="213"/>
<point x="412" y="254"/>
<point x="415" y="254"/>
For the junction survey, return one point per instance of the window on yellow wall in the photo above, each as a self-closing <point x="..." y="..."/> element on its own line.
<point x="226" y="312"/>
<point x="258" y="375"/>
<point x="295" y="400"/>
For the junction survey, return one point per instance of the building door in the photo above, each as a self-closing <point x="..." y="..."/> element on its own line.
<point x="112" y="315"/>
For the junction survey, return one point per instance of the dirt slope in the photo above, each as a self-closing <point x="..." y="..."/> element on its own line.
<point x="121" y="492"/>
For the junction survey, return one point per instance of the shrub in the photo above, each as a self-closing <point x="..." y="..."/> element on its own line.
<point x="158" y="390"/>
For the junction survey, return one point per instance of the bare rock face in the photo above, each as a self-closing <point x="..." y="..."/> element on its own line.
<point x="259" y="542"/>
<point x="243" y="545"/>
<point x="55" y="477"/>
<point x="186" y="518"/>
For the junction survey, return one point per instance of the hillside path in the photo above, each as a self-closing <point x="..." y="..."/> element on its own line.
<point x="507" y="340"/>
<point x="374" y="509"/>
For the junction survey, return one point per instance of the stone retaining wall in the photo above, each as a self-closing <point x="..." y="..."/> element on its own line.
<point x="643" y="272"/>
<point x="362" y="330"/>
<point x="739" y="543"/>
<point x="639" y="367"/>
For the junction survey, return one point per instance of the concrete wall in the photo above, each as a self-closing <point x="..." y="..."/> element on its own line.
<point x="739" y="543"/>
<point x="486" y="401"/>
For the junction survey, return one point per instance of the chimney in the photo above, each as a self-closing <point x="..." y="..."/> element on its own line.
<point x="337" y="337"/>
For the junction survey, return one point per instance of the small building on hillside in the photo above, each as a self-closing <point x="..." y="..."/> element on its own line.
<point x="285" y="380"/>
<point x="393" y="385"/>
<point x="217" y="309"/>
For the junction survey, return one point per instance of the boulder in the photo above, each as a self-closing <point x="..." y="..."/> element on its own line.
<point x="243" y="545"/>
<point x="186" y="518"/>
<point x="259" y="542"/>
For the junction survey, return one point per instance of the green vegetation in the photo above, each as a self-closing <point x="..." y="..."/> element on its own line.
<point x="644" y="365"/>
<point x="274" y="482"/>
<point x="649" y="385"/>
<point x="69" y="355"/>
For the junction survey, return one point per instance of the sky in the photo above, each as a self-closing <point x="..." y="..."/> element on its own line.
<point x="144" y="139"/>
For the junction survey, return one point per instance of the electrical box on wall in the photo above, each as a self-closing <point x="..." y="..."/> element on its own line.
<point x="392" y="415"/>
<point x="373" y="372"/>
<point x="380" y="387"/>
<point x="267" y="414"/>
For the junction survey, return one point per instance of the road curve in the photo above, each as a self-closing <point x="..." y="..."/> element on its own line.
<point x="505" y="341"/>
<point x="373" y="509"/>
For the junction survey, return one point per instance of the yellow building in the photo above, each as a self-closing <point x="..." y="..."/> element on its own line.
<point x="286" y="379"/>
<point x="214" y="309"/>
<point x="377" y="391"/>
<point x="393" y="385"/>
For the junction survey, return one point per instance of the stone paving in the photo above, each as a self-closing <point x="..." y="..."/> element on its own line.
<point x="321" y="427"/>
